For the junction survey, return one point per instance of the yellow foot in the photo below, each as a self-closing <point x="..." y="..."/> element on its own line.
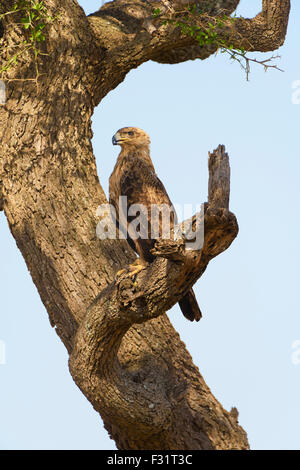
<point x="136" y="267"/>
<point x="119" y="273"/>
<point x="133" y="268"/>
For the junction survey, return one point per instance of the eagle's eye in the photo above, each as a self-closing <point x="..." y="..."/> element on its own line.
<point x="130" y="133"/>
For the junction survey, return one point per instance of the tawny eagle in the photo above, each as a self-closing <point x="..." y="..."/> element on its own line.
<point x="134" y="177"/>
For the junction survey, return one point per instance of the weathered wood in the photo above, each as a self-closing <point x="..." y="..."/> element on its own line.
<point x="219" y="179"/>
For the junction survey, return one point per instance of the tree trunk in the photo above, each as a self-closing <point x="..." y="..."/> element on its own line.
<point x="124" y="353"/>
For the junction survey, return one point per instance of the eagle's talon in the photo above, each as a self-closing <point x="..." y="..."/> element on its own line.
<point x="133" y="268"/>
<point x="119" y="273"/>
<point x="136" y="267"/>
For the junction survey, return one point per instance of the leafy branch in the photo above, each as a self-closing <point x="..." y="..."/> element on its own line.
<point x="210" y="31"/>
<point x="34" y="19"/>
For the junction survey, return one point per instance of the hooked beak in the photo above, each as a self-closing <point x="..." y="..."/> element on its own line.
<point x="116" y="139"/>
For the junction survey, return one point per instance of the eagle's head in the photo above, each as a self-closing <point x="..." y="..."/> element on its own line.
<point x="131" y="137"/>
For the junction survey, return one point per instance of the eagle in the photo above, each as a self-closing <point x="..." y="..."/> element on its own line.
<point x="134" y="177"/>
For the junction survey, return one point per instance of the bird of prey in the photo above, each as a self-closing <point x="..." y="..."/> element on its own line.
<point x="134" y="177"/>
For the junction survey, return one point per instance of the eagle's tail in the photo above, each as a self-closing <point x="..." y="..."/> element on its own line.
<point x="189" y="306"/>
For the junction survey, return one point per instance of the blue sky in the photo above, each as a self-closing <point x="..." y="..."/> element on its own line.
<point x="248" y="295"/>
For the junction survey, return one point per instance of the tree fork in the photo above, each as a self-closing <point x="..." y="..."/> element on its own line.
<point x="150" y="405"/>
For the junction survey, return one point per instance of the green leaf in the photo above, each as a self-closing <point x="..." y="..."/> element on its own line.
<point x="156" y="12"/>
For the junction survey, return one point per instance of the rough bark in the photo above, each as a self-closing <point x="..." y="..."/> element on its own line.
<point x="124" y="353"/>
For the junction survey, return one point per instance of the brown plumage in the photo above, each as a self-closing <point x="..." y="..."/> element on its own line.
<point x="134" y="177"/>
